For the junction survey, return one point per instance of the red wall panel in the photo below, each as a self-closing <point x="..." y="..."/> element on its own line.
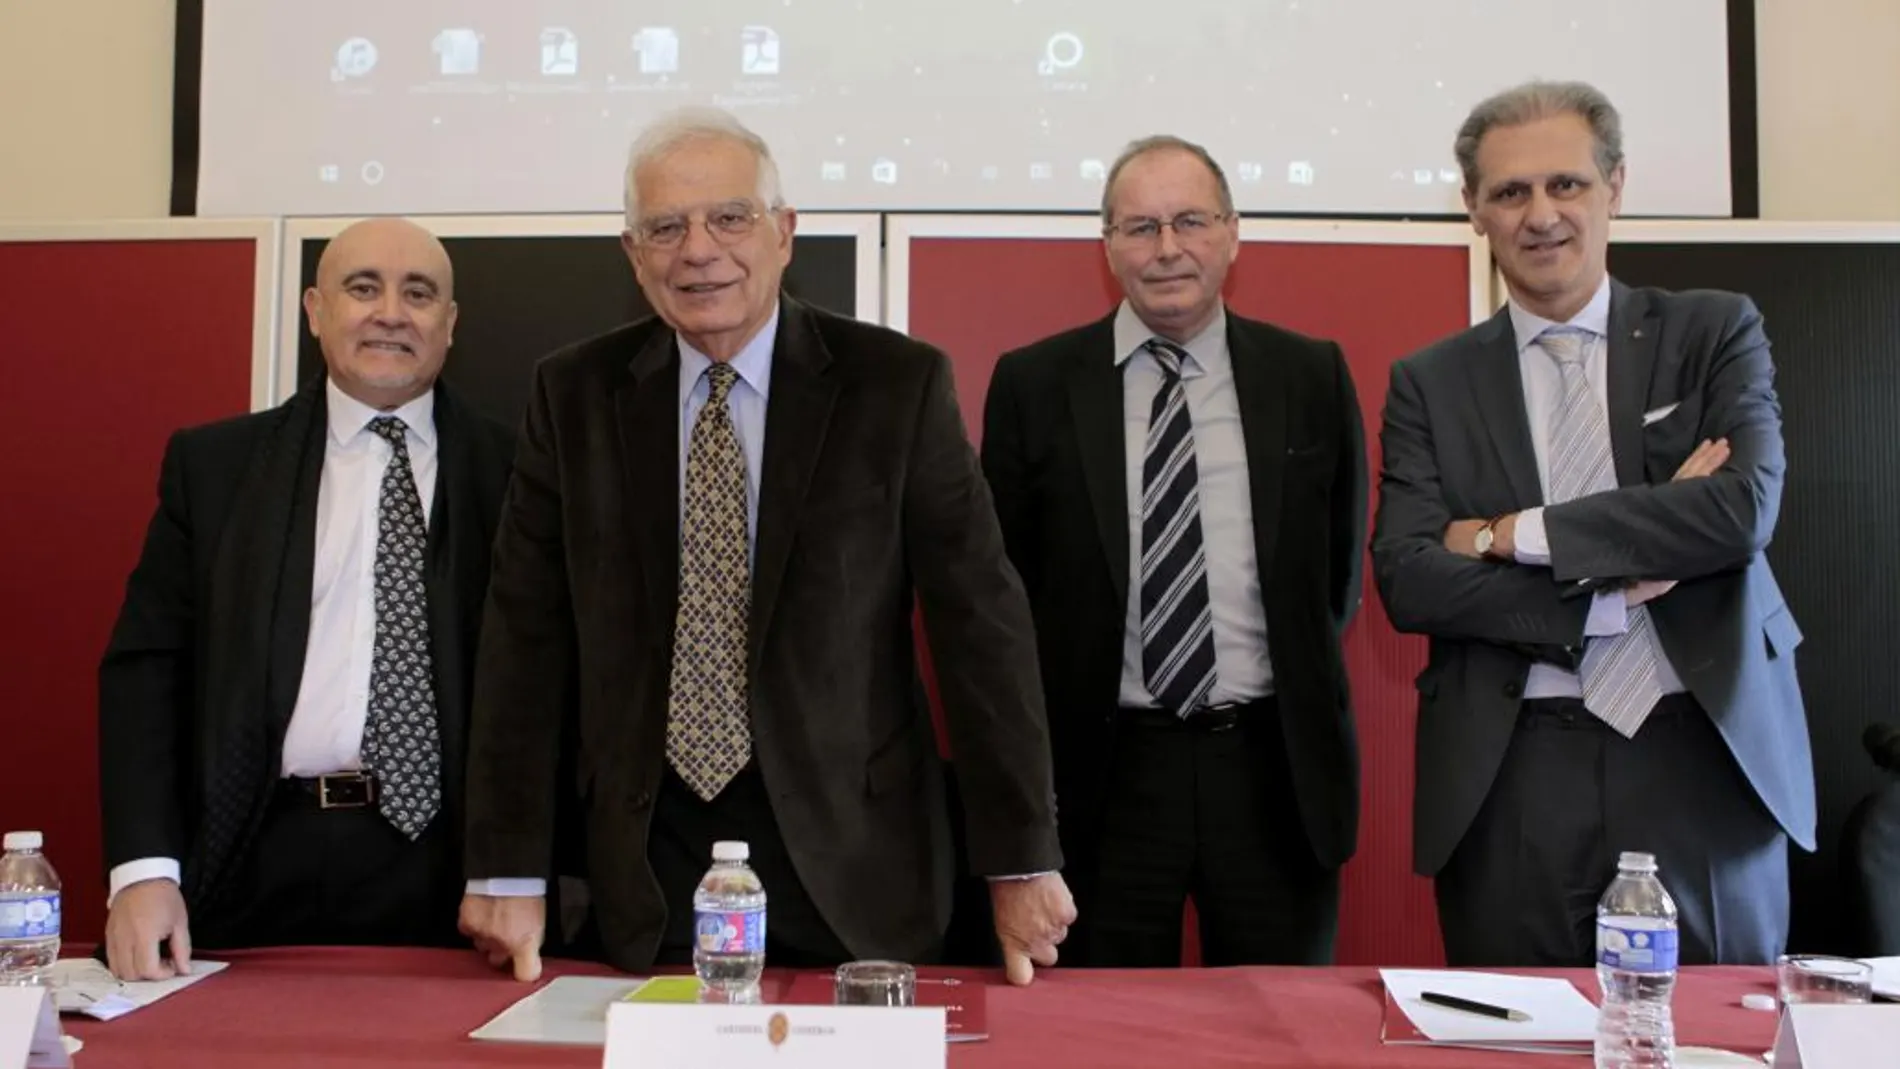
<point x="978" y="298"/>
<point x="106" y="347"/>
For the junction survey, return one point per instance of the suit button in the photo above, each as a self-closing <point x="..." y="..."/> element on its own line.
<point x="643" y="799"/>
<point x="1513" y="689"/>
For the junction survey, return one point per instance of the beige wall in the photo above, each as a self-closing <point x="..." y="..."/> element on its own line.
<point x="85" y="108"/>
<point x="1829" y="94"/>
<point x="85" y="131"/>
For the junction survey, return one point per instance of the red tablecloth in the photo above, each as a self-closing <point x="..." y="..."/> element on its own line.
<point x="361" y="1008"/>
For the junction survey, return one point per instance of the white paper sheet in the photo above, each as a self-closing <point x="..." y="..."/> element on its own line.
<point x="567" y="1011"/>
<point x="1886" y="976"/>
<point x="1558" y="1011"/>
<point x="83" y="985"/>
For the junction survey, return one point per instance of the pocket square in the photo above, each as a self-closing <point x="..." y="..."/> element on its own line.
<point x="1655" y="414"/>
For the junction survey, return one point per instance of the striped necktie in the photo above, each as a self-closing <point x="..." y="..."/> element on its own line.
<point x="1177" y="625"/>
<point x="1619" y="672"/>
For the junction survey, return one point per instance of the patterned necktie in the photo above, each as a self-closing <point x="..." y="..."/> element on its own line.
<point x="708" y="739"/>
<point x="1619" y="672"/>
<point x="401" y="742"/>
<point x="1177" y="625"/>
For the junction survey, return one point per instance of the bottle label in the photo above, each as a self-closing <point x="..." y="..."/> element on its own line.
<point x="30" y="917"/>
<point x="1636" y="949"/>
<point x="739" y="931"/>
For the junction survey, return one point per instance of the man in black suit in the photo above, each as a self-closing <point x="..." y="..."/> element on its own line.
<point x="1184" y="493"/>
<point x="283" y="703"/>
<point x="1575" y="504"/>
<point x="717" y="520"/>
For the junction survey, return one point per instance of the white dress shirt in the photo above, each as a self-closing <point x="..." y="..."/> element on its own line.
<point x="1543" y="396"/>
<point x="326" y="724"/>
<point x="1242" y="671"/>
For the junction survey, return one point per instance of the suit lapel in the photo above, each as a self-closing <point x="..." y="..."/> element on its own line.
<point x="1096" y="404"/>
<point x="259" y="608"/>
<point x="647" y="409"/>
<point x="292" y="556"/>
<point x="451" y="623"/>
<point x="1260" y="385"/>
<point x="797" y="414"/>
<point x="1497" y="388"/>
<point x="1632" y="360"/>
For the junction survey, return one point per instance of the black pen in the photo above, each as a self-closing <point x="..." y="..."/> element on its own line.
<point x="1482" y="1009"/>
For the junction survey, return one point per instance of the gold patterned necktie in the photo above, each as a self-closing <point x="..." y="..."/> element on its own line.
<point x="708" y="738"/>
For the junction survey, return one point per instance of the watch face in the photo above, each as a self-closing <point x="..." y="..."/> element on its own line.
<point x="1483" y="541"/>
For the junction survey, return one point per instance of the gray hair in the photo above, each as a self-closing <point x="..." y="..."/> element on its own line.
<point x="686" y="125"/>
<point x="1532" y="101"/>
<point x="1163" y="143"/>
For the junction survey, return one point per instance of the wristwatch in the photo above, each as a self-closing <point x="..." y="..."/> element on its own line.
<point x="1486" y="536"/>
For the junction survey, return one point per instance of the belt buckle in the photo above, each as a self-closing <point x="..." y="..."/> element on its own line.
<point x="353" y="779"/>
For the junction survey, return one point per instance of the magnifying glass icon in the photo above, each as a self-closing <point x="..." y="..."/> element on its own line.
<point x="1063" y="51"/>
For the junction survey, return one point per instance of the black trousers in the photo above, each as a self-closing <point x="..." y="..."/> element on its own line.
<point x="679" y="847"/>
<point x="1208" y="815"/>
<point x="1522" y="887"/>
<point x="335" y="877"/>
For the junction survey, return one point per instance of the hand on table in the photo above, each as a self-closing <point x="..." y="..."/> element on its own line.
<point x="1032" y="916"/>
<point x="144" y="915"/>
<point x="507" y="929"/>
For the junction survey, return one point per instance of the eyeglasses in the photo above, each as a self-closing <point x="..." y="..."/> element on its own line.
<point x="726" y="224"/>
<point x="1186" y="226"/>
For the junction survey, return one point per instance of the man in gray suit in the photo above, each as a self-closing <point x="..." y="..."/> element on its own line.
<point x="1574" y="505"/>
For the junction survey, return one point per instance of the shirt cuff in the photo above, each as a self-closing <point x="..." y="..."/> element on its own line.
<point x="509" y="888"/>
<point x="1528" y="542"/>
<point x="1024" y="876"/>
<point x="145" y="868"/>
<point x="1609" y="615"/>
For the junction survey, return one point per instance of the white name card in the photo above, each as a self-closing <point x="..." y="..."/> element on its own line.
<point x="1821" y="1036"/>
<point x="29" y="1030"/>
<point x="661" y="1035"/>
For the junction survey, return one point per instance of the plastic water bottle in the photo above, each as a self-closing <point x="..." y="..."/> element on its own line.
<point x="29" y="911"/>
<point x="729" y="922"/>
<point x="1636" y="968"/>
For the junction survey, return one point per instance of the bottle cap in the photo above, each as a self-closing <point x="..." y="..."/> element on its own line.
<point x="22" y="840"/>
<point x="1630" y="861"/>
<point x="1759" y="1001"/>
<point x="729" y="850"/>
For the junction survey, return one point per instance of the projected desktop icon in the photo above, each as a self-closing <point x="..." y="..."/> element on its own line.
<point x="328" y="173"/>
<point x="1094" y="171"/>
<point x="1422" y="176"/>
<point x="884" y="172"/>
<point x="1300" y="173"/>
<point x="831" y="171"/>
<point x="758" y="53"/>
<point x="991" y="172"/>
<point x="373" y="173"/>
<point x="659" y="49"/>
<point x="1449" y="176"/>
<point x="354" y="59"/>
<point x="1041" y="171"/>
<point x="1250" y="172"/>
<point x="1061" y="52"/>
<point x="460" y="51"/>
<point x="560" y="51"/>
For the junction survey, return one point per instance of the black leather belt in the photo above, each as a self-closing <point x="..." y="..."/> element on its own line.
<point x="338" y="790"/>
<point x="1208" y="718"/>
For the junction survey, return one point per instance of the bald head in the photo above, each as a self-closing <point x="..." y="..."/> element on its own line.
<point x="371" y="239"/>
<point x="383" y="309"/>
